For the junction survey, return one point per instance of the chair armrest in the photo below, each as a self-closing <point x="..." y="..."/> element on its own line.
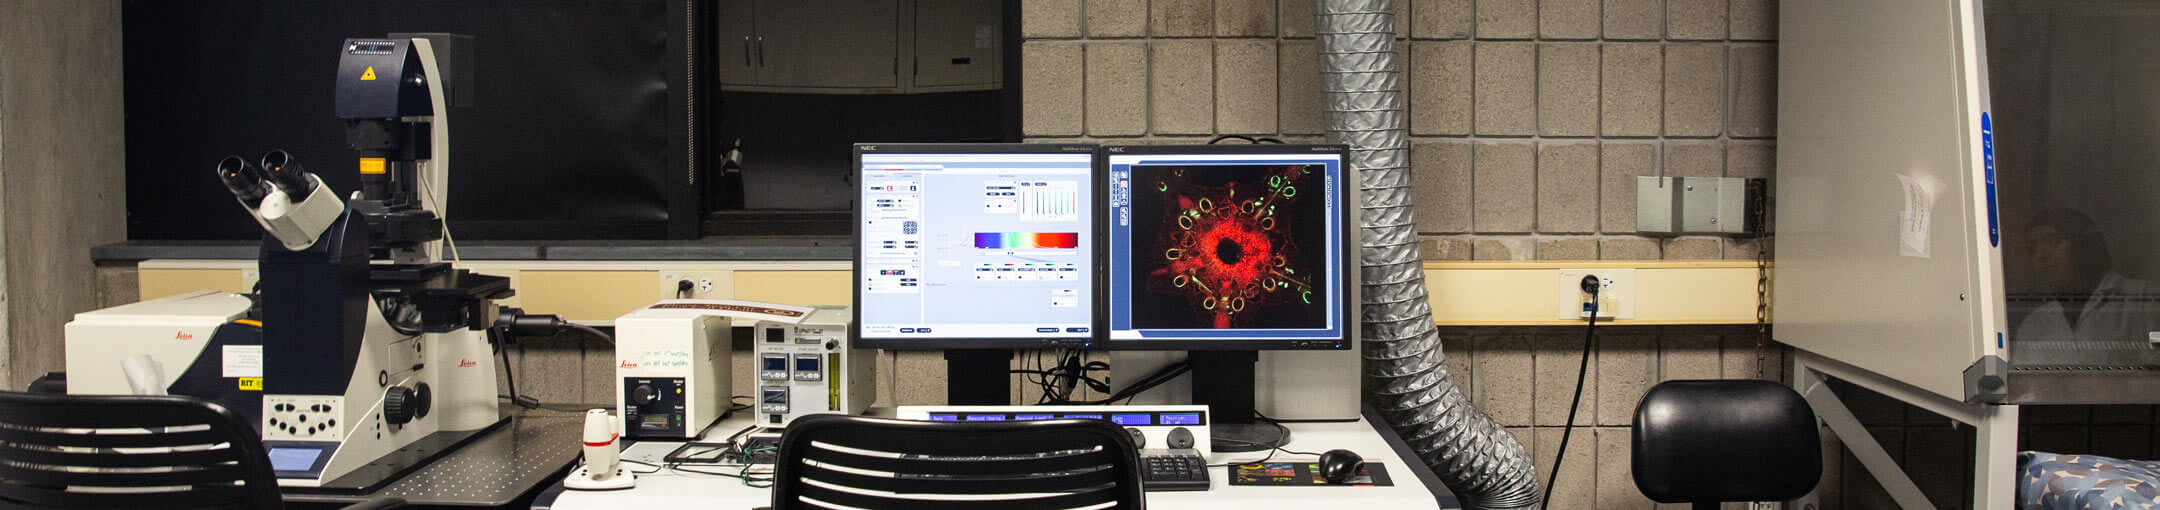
<point x="382" y="503"/>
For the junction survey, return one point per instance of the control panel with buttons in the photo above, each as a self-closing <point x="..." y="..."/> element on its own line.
<point x="806" y="367"/>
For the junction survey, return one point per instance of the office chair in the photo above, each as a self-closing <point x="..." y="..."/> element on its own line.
<point x="1707" y="442"/>
<point x="124" y="451"/>
<point x="840" y="460"/>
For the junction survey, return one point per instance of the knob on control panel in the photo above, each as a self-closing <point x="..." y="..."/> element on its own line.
<point x="641" y="395"/>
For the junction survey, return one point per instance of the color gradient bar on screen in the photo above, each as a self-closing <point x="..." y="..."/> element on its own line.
<point x="1023" y="240"/>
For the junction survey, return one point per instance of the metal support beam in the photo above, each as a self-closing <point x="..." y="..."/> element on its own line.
<point x="1816" y="389"/>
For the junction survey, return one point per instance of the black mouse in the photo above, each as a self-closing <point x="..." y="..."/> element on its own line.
<point x="1337" y="466"/>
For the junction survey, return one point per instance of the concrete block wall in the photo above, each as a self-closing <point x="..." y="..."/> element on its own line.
<point x="1529" y="119"/>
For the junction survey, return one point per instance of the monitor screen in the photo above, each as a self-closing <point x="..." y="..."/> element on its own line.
<point x="979" y="246"/>
<point x="1226" y="247"/>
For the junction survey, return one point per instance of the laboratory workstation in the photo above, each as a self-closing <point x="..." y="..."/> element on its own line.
<point x="1079" y="254"/>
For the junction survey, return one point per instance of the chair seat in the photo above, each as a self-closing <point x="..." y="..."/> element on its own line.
<point x="2054" y="481"/>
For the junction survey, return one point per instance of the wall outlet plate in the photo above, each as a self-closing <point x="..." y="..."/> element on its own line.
<point x="1616" y="294"/>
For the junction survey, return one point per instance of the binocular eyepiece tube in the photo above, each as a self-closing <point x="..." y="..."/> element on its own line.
<point x="244" y="180"/>
<point x="288" y="175"/>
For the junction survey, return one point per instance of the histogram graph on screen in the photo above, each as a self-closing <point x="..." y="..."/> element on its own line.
<point x="1050" y="200"/>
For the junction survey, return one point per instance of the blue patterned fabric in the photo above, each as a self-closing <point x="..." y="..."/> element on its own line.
<point x="2086" y="482"/>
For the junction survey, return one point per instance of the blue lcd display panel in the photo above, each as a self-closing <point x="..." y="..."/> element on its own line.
<point x="1212" y="248"/>
<point x="944" y="417"/>
<point x="1085" y="416"/>
<point x="1181" y="419"/>
<point x="1032" y="417"/>
<point x="293" y="459"/>
<point x="985" y="417"/>
<point x="1132" y="419"/>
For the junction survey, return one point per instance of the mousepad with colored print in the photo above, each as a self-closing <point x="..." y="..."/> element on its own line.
<point x="1303" y="473"/>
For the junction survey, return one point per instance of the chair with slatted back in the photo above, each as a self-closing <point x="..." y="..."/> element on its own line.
<point x="118" y="451"/>
<point x="837" y="461"/>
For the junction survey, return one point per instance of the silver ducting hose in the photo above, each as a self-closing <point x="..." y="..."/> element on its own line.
<point x="1404" y="377"/>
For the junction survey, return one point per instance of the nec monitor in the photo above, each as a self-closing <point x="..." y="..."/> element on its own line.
<point x="1227" y="247"/>
<point x="975" y="246"/>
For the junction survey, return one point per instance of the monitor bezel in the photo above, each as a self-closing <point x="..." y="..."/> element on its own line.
<point x="1095" y="333"/>
<point x="1347" y="179"/>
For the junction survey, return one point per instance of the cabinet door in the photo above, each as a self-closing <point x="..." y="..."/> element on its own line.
<point x="957" y="44"/>
<point x="829" y="44"/>
<point x="735" y="50"/>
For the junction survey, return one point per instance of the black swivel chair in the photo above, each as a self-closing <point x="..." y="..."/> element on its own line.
<point x="1021" y="464"/>
<point x="99" y="451"/>
<point x="1708" y="442"/>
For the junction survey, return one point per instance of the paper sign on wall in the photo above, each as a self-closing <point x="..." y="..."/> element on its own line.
<point x="1915" y="222"/>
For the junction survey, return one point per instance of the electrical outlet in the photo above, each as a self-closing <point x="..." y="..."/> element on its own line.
<point x="703" y="284"/>
<point x="1616" y="294"/>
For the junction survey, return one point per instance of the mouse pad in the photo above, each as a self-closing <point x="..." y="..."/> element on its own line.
<point x="1303" y="473"/>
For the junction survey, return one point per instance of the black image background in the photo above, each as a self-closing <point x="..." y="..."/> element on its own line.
<point x="1307" y="224"/>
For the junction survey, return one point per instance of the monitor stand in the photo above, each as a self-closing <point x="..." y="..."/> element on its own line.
<point x="978" y="377"/>
<point x="1223" y="381"/>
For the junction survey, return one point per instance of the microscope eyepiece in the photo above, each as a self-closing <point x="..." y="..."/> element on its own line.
<point x="288" y="175"/>
<point x="244" y="180"/>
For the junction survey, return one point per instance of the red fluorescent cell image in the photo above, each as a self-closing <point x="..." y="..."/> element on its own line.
<point x="1228" y="246"/>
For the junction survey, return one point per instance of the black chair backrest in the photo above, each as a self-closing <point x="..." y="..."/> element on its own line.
<point x="85" y="451"/>
<point x="1726" y="440"/>
<point x="852" y="461"/>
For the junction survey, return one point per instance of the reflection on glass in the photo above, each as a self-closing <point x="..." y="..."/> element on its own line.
<point x="2075" y="105"/>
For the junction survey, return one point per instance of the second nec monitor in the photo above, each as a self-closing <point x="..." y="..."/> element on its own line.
<point x="1226" y="247"/>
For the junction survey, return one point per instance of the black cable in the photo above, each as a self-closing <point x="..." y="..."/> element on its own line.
<point x="1591" y="285"/>
<point x="591" y="330"/>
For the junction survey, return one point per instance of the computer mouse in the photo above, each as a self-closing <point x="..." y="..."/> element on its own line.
<point x="1337" y="466"/>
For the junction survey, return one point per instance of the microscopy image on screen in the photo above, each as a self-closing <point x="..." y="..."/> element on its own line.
<point x="1228" y="247"/>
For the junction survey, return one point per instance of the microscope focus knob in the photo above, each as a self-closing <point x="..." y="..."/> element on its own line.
<point x="402" y="404"/>
<point x="641" y="395"/>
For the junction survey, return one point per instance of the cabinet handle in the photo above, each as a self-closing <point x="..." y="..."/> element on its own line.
<point x="746" y="51"/>
<point x="761" y="51"/>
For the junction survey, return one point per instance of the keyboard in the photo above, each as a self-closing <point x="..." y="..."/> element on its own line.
<point x="1173" y="470"/>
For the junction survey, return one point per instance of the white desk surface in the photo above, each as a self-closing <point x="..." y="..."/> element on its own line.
<point x="675" y="489"/>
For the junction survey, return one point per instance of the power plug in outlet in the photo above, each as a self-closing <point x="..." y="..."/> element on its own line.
<point x="1616" y="294"/>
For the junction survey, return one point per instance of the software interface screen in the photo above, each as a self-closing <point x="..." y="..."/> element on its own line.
<point x="1225" y="247"/>
<point x="977" y="246"/>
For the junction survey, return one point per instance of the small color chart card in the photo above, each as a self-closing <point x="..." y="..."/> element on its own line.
<point x="1303" y="473"/>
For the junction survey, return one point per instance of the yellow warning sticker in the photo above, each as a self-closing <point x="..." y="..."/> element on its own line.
<point x="251" y="384"/>
<point x="369" y="75"/>
<point x="371" y="166"/>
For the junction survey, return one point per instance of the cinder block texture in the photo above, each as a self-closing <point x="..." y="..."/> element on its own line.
<point x="1569" y="19"/>
<point x="1567" y="90"/>
<point x="1181" y="18"/>
<point x="1577" y="485"/>
<point x="1245" y="86"/>
<point x="1441" y="170"/>
<point x="1700" y="20"/>
<point x="1508" y="171"/>
<point x="1049" y="18"/>
<point x="1440" y="78"/>
<point x="1567" y="248"/>
<point x="1693" y="248"/>
<point x="1439" y="19"/>
<point x="1694" y="89"/>
<point x="1117" y="94"/>
<point x="1507" y="19"/>
<point x="1506" y="89"/>
<point x="1296" y="17"/>
<point x="1244" y="18"/>
<point x="1627" y="365"/>
<point x="1754" y="20"/>
<point x="1504" y="377"/>
<point x="1444" y="249"/>
<point x="1628" y="248"/>
<point x="1502" y="248"/>
<point x="1754" y="97"/>
<point x="1690" y="356"/>
<point x="1298" y="88"/>
<point x="1559" y="358"/>
<point x="1634" y="19"/>
<point x="1615" y="478"/>
<point x="1181" y="87"/>
<point x="1618" y="165"/>
<point x="1567" y="188"/>
<point x="1117" y="18"/>
<point x="1695" y="158"/>
<point x="1050" y="82"/>
<point x="1631" y="90"/>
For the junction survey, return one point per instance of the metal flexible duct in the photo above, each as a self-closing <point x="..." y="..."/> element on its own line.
<point x="1404" y="377"/>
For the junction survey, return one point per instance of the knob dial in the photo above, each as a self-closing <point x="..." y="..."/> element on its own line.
<point x="1138" y="440"/>
<point x="641" y="395"/>
<point x="400" y="405"/>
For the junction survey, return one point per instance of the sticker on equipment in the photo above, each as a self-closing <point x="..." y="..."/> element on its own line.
<point x="243" y="361"/>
